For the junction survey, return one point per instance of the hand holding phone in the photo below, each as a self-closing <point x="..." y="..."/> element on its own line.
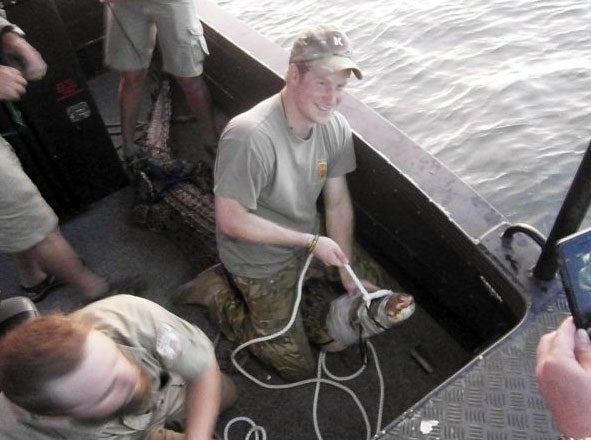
<point x="574" y="262"/>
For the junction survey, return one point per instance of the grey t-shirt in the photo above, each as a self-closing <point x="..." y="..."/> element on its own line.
<point x="277" y="176"/>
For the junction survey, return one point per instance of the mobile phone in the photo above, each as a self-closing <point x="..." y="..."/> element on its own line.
<point x="574" y="263"/>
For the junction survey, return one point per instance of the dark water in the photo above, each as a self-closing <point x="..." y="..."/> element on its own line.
<point x="498" y="90"/>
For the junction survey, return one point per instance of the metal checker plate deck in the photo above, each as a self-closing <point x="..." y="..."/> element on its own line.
<point x="494" y="399"/>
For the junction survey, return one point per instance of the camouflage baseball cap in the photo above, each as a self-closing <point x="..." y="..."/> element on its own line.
<point x="327" y="44"/>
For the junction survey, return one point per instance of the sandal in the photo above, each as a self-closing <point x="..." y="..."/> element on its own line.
<point x="40" y="290"/>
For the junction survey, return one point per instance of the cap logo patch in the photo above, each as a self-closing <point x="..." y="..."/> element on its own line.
<point x="337" y="40"/>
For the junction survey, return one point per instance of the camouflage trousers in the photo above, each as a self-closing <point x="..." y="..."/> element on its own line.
<point x="164" y="434"/>
<point x="260" y="307"/>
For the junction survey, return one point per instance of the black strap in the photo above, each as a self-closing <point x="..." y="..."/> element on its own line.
<point x="372" y="317"/>
<point x="362" y="347"/>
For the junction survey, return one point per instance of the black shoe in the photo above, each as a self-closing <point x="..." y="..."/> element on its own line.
<point x="39" y="291"/>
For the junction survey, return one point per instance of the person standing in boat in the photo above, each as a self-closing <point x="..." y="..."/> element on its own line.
<point x="274" y="161"/>
<point x="132" y="29"/>
<point x="29" y="230"/>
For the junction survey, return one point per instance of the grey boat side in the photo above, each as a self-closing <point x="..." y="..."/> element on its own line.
<point x="400" y="191"/>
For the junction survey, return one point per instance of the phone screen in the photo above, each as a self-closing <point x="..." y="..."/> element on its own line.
<point x="574" y="258"/>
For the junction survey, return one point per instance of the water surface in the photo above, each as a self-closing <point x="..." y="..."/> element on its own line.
<point x="498" y="90"/>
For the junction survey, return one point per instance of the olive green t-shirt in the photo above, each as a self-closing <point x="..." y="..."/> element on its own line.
<point x="277" y="176"/>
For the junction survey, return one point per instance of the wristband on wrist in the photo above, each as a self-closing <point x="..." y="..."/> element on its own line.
<point x="313" y="243"/>
<point x="564" y="437"/>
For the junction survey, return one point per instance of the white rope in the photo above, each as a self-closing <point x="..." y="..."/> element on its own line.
<point x="322" y="360"/>
<point x="255" y="429"/>
<point x="367" y="297"/>
<point x="321" y="367"/>
<point x="358" y="282"/>
<point x="382" y="388"/>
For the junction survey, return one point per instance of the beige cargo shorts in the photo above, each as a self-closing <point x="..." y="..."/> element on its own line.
<point x="133" y="28"/>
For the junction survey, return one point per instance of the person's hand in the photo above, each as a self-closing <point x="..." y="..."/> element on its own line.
<point x="563" y="371"/>
<point x="12" y="84"/>
<point x="329" y="252"/>
<point x="34" y="67"/>
<point x="18" y="53"/>
<point x="350" y="285"/>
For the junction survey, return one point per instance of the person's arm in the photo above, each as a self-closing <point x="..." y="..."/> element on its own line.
<point x="236" y="221"/>
<point x="23" y="61"/>
<point x="338" y="213"/>
<point x="202" y="404"/>
<point x="339" y="219"/>
<point x="18" y="53"/>
<point x="180" y="348"/>
<point x="563" y="372"/>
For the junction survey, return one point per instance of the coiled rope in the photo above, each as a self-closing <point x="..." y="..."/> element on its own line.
<point x="258" y="431"/>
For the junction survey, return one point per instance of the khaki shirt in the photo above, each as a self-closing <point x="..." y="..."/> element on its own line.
<point x="171" y="350"/>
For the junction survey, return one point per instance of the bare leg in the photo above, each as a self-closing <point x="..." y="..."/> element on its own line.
<point x="200" y="102"/>
<point x="54" y="255"/>
<point x="130" y="97"/>
<point x="229" y="394"/>
<point x="29" y="271"/>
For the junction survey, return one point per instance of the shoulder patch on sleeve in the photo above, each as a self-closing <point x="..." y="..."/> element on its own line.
<point x="168" y="342"/>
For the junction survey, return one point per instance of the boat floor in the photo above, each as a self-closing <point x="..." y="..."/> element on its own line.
<point x="112" y="245"/>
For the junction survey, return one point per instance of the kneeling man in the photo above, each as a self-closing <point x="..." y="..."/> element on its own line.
<point x="274" y="161"/>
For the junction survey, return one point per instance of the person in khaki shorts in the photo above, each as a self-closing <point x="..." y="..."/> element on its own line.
<point x="132" y="29"/>
<point x="121" y="368"/>
<point x="29" y="231"/>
